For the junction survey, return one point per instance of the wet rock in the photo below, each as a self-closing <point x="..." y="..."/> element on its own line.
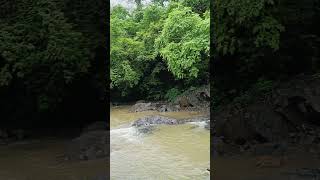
<point x="191" y="100"/>
<point x="154" y="120"/>
<point x="255" y="122"/>
<point x="154" y="106"/>
<point x="222" y="148"/>
<point x="139" y="107"/>
<point x="147" y="125"/>
<point x="277" y="116"/>
<point x="198" y="98"/>
<point x="168" y="108"/>
<point x="184" y="102"/>
<point x="146" y="129"/>
<point x="89" y="146"/>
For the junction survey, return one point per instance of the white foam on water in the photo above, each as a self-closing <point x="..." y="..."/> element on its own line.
<point x="129" y="134"/>
<point x="201" y="124"/>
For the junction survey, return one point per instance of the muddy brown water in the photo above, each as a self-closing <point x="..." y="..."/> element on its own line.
<point x="41" y="160"/>
<point x="244" y="167"/>
<point x="170" y="152"/>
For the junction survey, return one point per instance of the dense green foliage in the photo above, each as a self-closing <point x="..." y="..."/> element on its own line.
<point x="256" y="43"/>
<point x="158" y="47"/>
<point x="45" y="48"/>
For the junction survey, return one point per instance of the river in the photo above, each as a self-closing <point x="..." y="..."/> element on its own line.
<point x="40" y="159"/>
<point x="170" y="152"/>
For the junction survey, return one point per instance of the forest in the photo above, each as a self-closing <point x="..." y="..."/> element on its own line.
<point x="159" y="49"/>
<point x="256" y="44"/>
<point x="265" y="67"/>
<point x="51" y="50"/>
<point x="53" y="62"/>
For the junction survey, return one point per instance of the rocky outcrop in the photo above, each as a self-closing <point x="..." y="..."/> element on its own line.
<point x="139" y="107"/>
<point x="255" y="122"/>
<point x="90" y="145"/>
<point x="192" y="100"/>
<point x="154" y="120"/>
<point x="290" y="107"/>
<point x="195" y="99"/>
<point x="147" y="124"/>
<point x="154" y="106"/>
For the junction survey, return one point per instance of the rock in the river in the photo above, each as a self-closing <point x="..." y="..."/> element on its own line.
<point x="89" y="146"/>
<point x="168" y="108"/>
<point x="146" y="129"/>
<point x="147" y="124"/>
<point x="154" y="120"/>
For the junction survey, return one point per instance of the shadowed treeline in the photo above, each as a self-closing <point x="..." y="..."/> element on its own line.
<point x="53" y="65"/>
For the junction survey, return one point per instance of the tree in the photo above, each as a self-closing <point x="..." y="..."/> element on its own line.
<point x="184" y="42"/>
<point x="155" y="48"/>
<point x="41" y="49"/>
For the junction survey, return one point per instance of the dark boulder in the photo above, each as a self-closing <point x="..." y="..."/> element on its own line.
<point x="89" y="146"/>
<point x="139" y="107"/>
<point x="146" y="125"/>
<point x="195" y="99"/>
<point x="288" y="108"/>
<point x="154" y="120"/>
<point x="154" y="106"/>
<point x="168" y="108"/>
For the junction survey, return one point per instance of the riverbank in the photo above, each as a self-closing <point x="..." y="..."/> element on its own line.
<point x="42" y="158"/>
<point x="170" y="151"/>
<point x="273" y="135"/>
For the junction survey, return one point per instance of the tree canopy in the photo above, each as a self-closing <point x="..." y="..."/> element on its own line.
<point x="264" y="40"/>
<point x="45" y="48"/>
<point x="159" y="45"/>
